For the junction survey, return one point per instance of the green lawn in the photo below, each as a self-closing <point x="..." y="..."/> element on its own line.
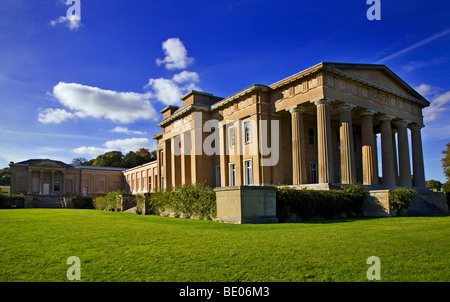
<point x="35" y="244"/>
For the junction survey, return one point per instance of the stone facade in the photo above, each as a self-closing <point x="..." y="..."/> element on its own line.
<point x="141" y="179"/>
<point x="54" y="178"/>
<point x="328" y="118"/>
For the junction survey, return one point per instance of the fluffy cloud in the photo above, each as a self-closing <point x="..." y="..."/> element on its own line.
<point x="125" y="130"/>
<point x="71" y="23"/>
<point x="169" y="91"/>
<point x="56" y="116"/>
<point x="123" y="145"/>
<point x="176" y="55"/>
<point x="438" y="106"/>
<point x="87" y="101"/>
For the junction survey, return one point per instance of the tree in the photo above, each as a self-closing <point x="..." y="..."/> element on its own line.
<point x="433" y="184"/>
<point x="5" y="177"/>
<point x="80" y="161"/>
<point x="109" y="159"/>
<point x="446" y="161"/>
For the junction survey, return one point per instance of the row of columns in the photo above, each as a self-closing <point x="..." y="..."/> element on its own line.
<point x="369" y="148"/>
<point x="41" y="181"/>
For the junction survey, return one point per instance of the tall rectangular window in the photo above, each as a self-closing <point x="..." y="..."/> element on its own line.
<point x="311" y="136"/>
<point x="247" y="132"/>
<point x="162" y="183"/>
<point x="232" y="137"/>
<point x="314" y="175"/>
<point x="149" y="183"/>
<point x="232" y="169"/>
<point x="218" y="176"/>
<point x="248" y="179"/>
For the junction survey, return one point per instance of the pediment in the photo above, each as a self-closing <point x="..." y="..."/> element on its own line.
<point x="379" y="75"/>
<point x="48" y="163"/>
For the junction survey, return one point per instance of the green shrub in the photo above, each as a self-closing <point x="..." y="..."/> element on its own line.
<point x="189" y="200"/>
<point x="307" y="203"/>
<point x="11" y="200"/>
<point x="109" y="202"/>
<point x="82" y="202"/>
<point x="400" y="199"/>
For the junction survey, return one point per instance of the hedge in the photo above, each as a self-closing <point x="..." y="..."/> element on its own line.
<point x="308" y="204"/>
<point x="82" y="202"/>
<point x="186" y="200"/>
<point x="11" y="200"/>
<point x="109" y="202"/>
<point x="400" y="199"/>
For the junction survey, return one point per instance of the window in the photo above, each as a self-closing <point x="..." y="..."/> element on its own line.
<point x="232" y="137"/>
<point x="311" y="136"/>
<point x="162" y="183"/>
<point x="248" y="179"/>
<point x="232" y="168"/>
<point x="56" y="186"/>
<point x="247" y="132"/>
<point x="149" y="183"/>
<point x="218" y="176"/>
<point x="161" y="158"/>
<point x="314" y="176"/>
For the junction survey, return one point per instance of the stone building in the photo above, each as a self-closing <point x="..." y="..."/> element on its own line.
<point x="141" y="179"/>
<point x="323" y="121"/>
<point x="46" y="177"/>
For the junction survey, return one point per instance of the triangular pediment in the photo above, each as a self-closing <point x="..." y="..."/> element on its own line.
<point x="380" y="75"/>
<point x="47" y="163"/>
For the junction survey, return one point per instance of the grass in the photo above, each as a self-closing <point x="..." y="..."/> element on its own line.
<point x="35" y="244"/>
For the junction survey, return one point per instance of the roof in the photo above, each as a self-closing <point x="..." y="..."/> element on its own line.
<point x="100" y="168"/>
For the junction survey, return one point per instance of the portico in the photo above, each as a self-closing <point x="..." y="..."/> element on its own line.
<point x="329" y="119"/>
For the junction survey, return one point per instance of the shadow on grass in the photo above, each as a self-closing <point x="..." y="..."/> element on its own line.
<point x="355" y="219"/>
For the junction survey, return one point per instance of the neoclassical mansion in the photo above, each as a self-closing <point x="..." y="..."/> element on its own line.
<point x="331" y="124"/>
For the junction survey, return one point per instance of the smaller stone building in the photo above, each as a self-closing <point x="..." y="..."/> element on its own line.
<point x="46" y="177"/>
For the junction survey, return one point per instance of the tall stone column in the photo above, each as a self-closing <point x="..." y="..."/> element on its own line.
<point x="394" y="150"/>
<point x="417" y="155"/>
<point x="387" y="154"/>
<point x="369" y="160"/>
<point x="41" y="182"/>
<point x="298" y="147"/>
<point x="324" y="152"/>
<point x="348" y="167"/>
<point x="404" y="175"/>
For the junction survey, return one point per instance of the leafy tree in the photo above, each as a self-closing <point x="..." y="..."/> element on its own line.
<point x="109" y="159"/>
<point x="433" y="184"/>
<point x="446" y="161"/>
<point x="5" y="177"/>
<point x="80" y="161"/>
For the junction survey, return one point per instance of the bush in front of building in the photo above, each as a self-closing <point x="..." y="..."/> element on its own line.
<point x="8" y="201"/>
<point x="400" y="199"/>
<point x="82" y="202"/>
<point x="110" y="202"/>
<point x="307" y="204"/>
<point x="189" y="200"/>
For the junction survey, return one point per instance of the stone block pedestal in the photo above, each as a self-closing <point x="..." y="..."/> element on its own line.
<point x="246" y="204"/>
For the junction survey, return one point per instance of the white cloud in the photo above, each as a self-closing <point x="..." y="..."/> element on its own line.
<point x="169" y="91"/>
<point x="438" y="105"/>
<point x="123" y="145"/>
<point x="55" y="116"/>
<point x="71" y="23"/>
<point x="176" y="55"/>
<point x="87" y="101"/>
<point x="125" y="130"/>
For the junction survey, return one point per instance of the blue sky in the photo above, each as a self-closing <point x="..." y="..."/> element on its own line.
<point x="147" y="53"/>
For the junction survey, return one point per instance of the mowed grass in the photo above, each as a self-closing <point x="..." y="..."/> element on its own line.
<point x="35" y="245"/>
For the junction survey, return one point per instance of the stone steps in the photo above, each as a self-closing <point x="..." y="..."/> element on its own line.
<point x="422" y="207"/>
<point x="48" y="202"/>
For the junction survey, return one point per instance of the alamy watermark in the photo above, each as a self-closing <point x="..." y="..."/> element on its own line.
<point x="374" y="271"/>
<point x="235" y="137"/>
<point x="74" y="271"/>
<point x="374" y="11"/>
